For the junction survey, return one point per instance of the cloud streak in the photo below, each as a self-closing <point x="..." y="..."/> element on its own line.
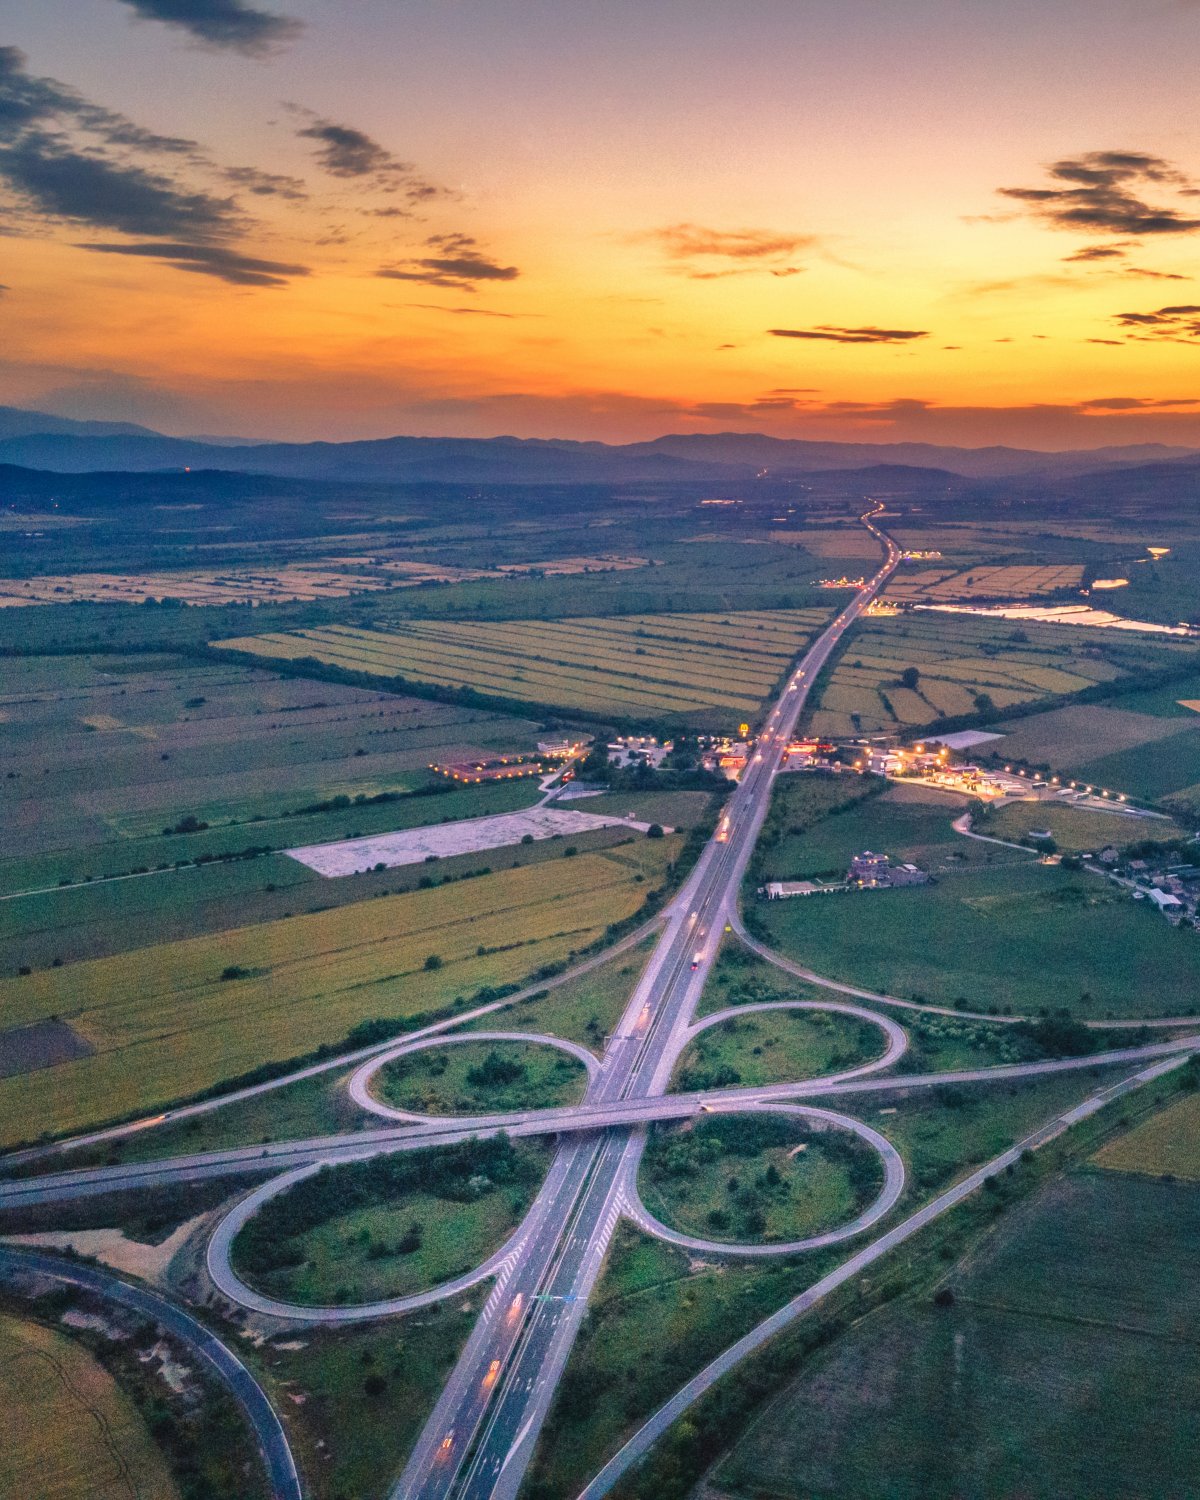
<point x="228" y="24"/>
<point x="209" y="260"/>
<point x="705" y="254"/>
<point x="460" y="263"/>
<point x="351" y="155"/>
<point x="869" y="335"/>
<point x="1178" y="323"/>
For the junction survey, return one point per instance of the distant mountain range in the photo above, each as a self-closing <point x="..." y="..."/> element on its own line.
<point x="36" y="440"/>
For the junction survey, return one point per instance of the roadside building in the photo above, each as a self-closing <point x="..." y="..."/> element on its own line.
<point x="875" y="872"/>
<point x="868" y="870"/>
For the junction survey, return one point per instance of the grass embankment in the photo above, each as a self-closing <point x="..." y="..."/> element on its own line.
<point x="165" y="1023"/>
<point x="481" y="1078"/>
<point x="353" y="1400"/>
<point x="390" y="1226"/>
<point x="756" y="1178"/>
<point x="585" y="1010"/>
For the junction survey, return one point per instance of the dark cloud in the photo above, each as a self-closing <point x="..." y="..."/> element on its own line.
<point x="1113" y="343"/>
<point x="1101" y="192"/>
<point x="1136" y="403"/>
<point x="461" y="263"/>
<point x="266" y="184"/>
<point x="210" y="260"/>
<point x="352" y="155"/>
<point x="67" y="158"/>
<point x="28" y="102"/>
<point x="64" y="183"/>
<point x="704" y="254"/>
<point x="230" y="24"/>
<point x="346" y="152"/>
<point x="64" y="159"/>
<point x="867" y="335"/>
<point x="1178" y="323"/>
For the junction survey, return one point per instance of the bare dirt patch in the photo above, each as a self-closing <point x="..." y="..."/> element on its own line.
<point x="45" y="1044"/>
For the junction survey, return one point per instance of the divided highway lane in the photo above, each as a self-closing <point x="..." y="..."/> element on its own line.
<point x="657" y="1020"/>
<point x="221" y="1361"/>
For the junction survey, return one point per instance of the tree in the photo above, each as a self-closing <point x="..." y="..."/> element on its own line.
<point x="654" y="831"/>
<point x="434" y="961"/>
<point x="910" y="677"/>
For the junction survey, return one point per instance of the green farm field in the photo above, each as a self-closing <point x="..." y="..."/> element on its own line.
<point x="1022" y="938"/>
<point x="1036" y="1380"/>
<point x="1067" y="738"/>
<point x="164" y="1023"/>
<point x="1167" y="1144"/>
<point x="967" y="664"/>
<point x="1074" y="829"/>
<point x="1167" y="770"/>
<point x="102" y="753"/>
<point x="71" y="1432"/>
<point x="704" y="668"/>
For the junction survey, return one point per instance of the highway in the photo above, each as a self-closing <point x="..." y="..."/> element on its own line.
<point x="482" y="1433"/>
<point x="587" y="1118"/>
<point x="205" y="1346"/>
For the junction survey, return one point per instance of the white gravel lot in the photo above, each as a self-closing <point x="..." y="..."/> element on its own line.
<point x="411" y="846"/>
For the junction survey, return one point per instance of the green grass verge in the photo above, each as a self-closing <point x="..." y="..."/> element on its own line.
<point x="751" y="1179"/>
<point x="481" y="1078"/>
<point x="390" y="1226"/>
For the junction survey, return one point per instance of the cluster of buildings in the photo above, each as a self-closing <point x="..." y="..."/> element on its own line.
<point x="503" y="768"/>
<point x="724" y="756"/>
<point x="638" y="750"/>
<point x="875" y="872"/>
<point x="550" y="755"/>
<point x="868" y="872"/>
<point x="1172" y="887"/>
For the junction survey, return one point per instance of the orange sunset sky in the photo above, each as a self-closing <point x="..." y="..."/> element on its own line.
<point x="963" y="221"/>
